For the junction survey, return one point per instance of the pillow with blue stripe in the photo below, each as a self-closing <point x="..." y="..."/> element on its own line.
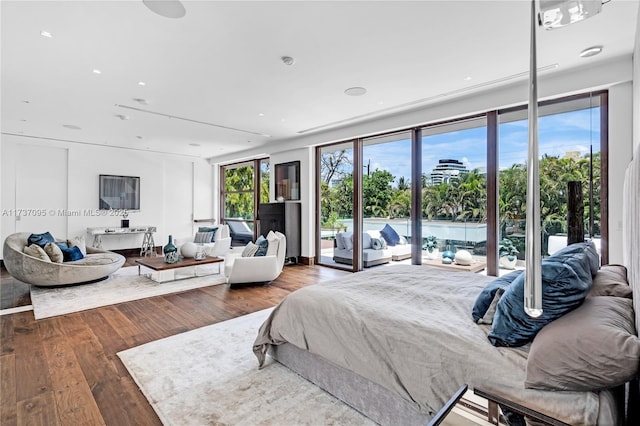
<point x="566" y="281"/>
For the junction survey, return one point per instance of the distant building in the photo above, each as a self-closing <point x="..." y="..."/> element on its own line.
<point x="446" y="170"/>
<point x="573" y="155"/>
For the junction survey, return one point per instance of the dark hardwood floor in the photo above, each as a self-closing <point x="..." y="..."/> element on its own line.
<point x="64" y="370"/>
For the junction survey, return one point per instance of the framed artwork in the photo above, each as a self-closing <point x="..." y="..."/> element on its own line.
<point x="288" y="181"/>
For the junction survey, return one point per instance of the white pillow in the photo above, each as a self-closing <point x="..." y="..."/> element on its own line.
<point x="274" y="242"/>
<point x="339" y="241"/>
<point x="79" y="242"/>
<point x="249" y="250"/>
<point x="36" y="251"/>
<point x="403" y="241"/>
<point x="347" y="241"/>
<point x="366" y="241"/>
<point x="54" y="252"/>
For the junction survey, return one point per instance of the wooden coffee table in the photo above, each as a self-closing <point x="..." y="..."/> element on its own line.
<point x="474" y="267"/>
<point x="184" y="268"/>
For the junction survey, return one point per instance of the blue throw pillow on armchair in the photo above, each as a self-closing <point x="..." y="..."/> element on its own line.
<point x="71" y="253"/>
<point x="390" y="235"/>
<point x="263" y="246"/>
<point x="212" y="229"/>
<point x="40" y="239"/>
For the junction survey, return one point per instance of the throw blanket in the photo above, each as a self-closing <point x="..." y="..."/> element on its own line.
<point x="409" y="329"/>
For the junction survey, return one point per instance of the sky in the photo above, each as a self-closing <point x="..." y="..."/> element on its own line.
<point x="558" y="134"/>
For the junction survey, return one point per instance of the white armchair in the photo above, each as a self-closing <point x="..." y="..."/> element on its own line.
<point x="255" y="269"/>
<point x="218" y="248"/>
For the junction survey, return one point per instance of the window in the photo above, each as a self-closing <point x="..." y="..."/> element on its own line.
<point x="241" y="190"/>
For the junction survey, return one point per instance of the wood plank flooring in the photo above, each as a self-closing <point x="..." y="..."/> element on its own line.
<point x="64" y="370"/>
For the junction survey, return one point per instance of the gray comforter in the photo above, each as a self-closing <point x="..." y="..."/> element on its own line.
<point x="409" y="329"/>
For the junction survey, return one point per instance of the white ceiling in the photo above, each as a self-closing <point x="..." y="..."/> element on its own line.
<point x="220" y="64"/>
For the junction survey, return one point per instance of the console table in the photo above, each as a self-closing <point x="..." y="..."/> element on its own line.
<point x="148" y="245"/>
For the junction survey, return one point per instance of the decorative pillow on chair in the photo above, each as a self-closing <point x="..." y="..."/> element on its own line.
<point x="390" y="235"/>
<point x="54" y="252"/>
<point x="263" y="246"/>
<point x="72" y="253"/>
<point x="40" y="239"/>
<point x="592" y="347"/>
<point x="249" y="250"/>
<point x="378" y="243"/>
<point x="79" y="242"/>
<point x="272" y="245"/>
<point x="203" y="237"/>
<point x="209" y="229"/>
<point x="347" y="242"/>
<point x="36" y="251"/>
<point x="611" y="280"/>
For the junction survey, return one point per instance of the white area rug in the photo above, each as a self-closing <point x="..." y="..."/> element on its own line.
<point x="209" y="376"/>
<point x="122" y="286"/>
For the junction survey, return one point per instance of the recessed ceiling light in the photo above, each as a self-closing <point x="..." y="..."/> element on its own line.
<point x="355" y="91"/>
<point x="467" y="78"/>
<point x="46" y="34"/>
<point x="25" y="101"/>
<point x="288" y="60"/>
<point x="283" y="120"/>
<point x="380" y="102"/>
<point x="261" y="114"/>
<point x="95" y="71"/>
<point x="194" y="144"/>
<point x="142" y="83"/>
<point x="167" y="8"/>
<point x="139" y="137"/>
<point x="590" y="51"/>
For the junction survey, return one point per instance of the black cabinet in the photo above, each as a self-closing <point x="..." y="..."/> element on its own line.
<point x="285" y="218"/>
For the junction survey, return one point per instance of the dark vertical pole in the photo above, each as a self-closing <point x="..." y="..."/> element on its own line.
<point x="575" y="213"/>
<point x="416" y="196"/>
<point x="590" y="191"/>
<point x="493" y="225"/>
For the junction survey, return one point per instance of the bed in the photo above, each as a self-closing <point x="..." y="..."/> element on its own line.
<point x="396" y="342"/>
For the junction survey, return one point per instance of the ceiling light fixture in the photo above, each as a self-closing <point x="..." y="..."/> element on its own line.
<point x="97" y="71"/>
<point x="167" y="8"/>
<point x="260" y="114"/>
<point x="467" y="78"/>
<point x="142" y="83"/>
<point x="558" y="13"/>
<point x="46" y="34"/>
<point x="590" y="51"/>
<point x="288" y="60"/>
<point x="355" y="91"/>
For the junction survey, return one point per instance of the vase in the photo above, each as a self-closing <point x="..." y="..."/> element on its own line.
<point x="508" y="262"/>
<point x="433" y="254"/>
<point x="448" y="254"/>
<point x="170" y="252"/>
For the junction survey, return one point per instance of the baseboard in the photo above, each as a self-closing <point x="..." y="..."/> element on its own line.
<point x="307" y="260"/>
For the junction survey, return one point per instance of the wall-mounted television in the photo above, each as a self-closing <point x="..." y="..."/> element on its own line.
<point x="119" y="192"/>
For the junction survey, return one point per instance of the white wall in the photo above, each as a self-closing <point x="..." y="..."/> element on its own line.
<point x="174" y="189"/>
<point x="615" y="75"/>
<point x="636" y="87"/>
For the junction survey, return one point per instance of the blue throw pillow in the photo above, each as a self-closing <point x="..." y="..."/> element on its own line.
<point x="40" y="239"/>
<point x="209" y="229"/>
<point x="390" y="235"/>
<point x="583" y="256"/>
<point x="263" y="245"/>
<point x="563" y="289"/>
<point x="71" y="253"/>
<point x="489" y="292"/>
